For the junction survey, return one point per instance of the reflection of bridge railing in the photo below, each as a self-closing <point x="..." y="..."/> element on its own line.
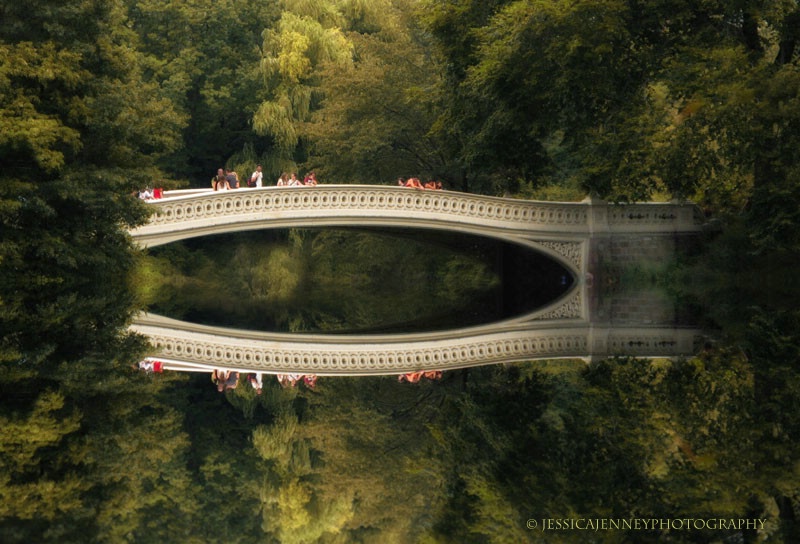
<point x="199" y="346"/>
<point x="561" y="230"/>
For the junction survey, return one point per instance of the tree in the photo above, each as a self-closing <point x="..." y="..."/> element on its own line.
<point x="204" y="56"/>
<point x="81" y="127"/>
<point x="381" y="107"/>
<point x="307" y="36"/>
<point x="33" y="484"/>
<point x="631" y="100"/>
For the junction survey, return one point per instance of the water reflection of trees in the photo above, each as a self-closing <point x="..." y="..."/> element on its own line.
<point x="474" y="457"/>
<point x="93" y="95"/>
<point x="328" y="280"/>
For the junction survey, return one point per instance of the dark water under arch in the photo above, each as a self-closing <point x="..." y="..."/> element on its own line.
<point x="349" y="280"/>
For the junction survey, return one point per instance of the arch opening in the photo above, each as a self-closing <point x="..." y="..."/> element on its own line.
<point x="352" y="280"/>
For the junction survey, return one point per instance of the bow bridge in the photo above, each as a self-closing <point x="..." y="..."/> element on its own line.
<point x="574" y="234"/>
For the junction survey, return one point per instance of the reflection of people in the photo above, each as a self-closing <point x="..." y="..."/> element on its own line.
<point x="219" y="377"/>
<point x="225" y="379"/>
<point x="255" y="382"/>
<point x="151" y="366"/>
<point x="290" y="380"/>
<point x="310" y="381"/>
<point x="232" y="381"/>
<point x="414" y="377"/>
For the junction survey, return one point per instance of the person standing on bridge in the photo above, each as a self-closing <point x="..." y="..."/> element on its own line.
<point x="256" y="178"/>
<point x="215" y="179"/>
<point x="221" y="184"/>
<point x="233" y="179"/>
<point x="310" y="179"/>
<point x="414" y="183"/>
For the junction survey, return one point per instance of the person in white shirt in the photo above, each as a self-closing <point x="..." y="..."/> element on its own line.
<point x="256" y="178"/>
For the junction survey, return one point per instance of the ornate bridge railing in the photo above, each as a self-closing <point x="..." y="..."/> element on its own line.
<point x="204" y="347"/>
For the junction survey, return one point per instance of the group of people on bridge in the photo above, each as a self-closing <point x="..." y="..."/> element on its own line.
<point x="228" y="179"/>
<point x="149" y="193"/>
<point x="415" y="183"/>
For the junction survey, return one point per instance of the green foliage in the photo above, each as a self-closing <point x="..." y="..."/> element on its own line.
<point x="533" y="99"/>
<point x="639" y="105"/>
<point x="82" y="128"/>
<point x="323" y="280"/>
<point x="23" y="443"/>
<point x="306" y="37"/>
<point x="380" y="107"/>
<point x="84" y="136"/>
<point x="204" y="56"/>
<point x="275" y="444"/>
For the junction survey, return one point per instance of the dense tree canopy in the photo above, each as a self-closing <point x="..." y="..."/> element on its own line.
<point x="622" y="98"/>
<point x="632" y="98"/>
<point x="81" y="129"/>
<point x="205" y="55"/>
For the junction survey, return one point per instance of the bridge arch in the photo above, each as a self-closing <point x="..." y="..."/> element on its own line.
<point x="558" y="229"/>
<point x="564" y="231"/>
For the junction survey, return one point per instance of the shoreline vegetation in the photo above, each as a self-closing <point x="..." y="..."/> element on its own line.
<point x="619" y="99"/>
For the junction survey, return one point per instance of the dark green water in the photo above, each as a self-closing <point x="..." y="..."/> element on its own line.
<point x="349" y="281"/>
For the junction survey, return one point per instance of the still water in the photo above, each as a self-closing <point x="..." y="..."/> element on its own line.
<point x="350" y="281"/>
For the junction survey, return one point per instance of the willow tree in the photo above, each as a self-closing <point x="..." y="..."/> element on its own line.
<point x="293" y="509"/>
<point x="308" y="35"/>
<point x="381" y="108"/>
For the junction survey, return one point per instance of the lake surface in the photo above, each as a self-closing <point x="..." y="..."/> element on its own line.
<point x="350" y="280"/>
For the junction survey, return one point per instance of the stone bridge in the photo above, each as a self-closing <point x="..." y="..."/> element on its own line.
<point x="571" y="233"/>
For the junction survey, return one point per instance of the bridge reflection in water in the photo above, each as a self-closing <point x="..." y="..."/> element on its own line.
<point x="581" y="236"/>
